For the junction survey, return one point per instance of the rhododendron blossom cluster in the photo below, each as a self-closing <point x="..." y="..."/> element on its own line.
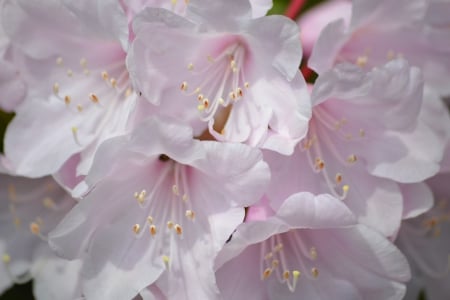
<point x="209" y="149"/>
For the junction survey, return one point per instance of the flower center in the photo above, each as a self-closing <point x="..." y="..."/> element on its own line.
<point x="219" y="83"/>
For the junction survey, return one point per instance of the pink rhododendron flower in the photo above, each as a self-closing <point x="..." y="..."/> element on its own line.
<point x="29" y="210"/>
<point x="220" y="74"/>
<point x="358" y="143"/>
<point x="424" y="240"/>
<point x="188" y="198"/>
<point x="380" y="31"/>
<point x="307" y="250"/>
<point x="80" y="94"/>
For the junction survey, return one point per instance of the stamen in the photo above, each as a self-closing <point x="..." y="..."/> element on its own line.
<point x="152" y="230"/>
<point x="140" y="197"/>
<point x="59" y="61"/>
<point x="313" y="253"/>
<point x="352" y="158"/>
<point x="247" y="85"/>
<point x="75" y="135"/>
<point x="286" y="275"/>
<point x="136" y="228"/>
<point x="83" y="62"/>
<point x="170" y="224"/>
<point x="184" y="86"/>
<point x="178" y="229"/>
<point x="315" y="272"/>
<point x="48" y="202"/>
<point x="113" y="82"/>
<point x="267" y="272"/>
<point x="362" y="133"/>
<point x="175" y="190"/>
<point x="67" y="99"/>
<point x="190" y="66"/>
<point x="69" y="73"/>
<point x="362" y="60"/>
<point x="105" y="75"/>
<point x="79" y="108"/>
<point x="150" y="220"/>
<point x="56" y="88"/>
<point x="190" y="214"/>
<point x="35" y="228"/>
<point x="338" y="178"/>
<point x="93" y="97"/>
<point x="185" y="197"/>
<point x="166" y="260"/>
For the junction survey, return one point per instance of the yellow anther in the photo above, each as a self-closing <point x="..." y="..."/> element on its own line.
<point x="166" y="260"/>
<point x="185" y="197"/>
<point x="56" y="88"/>
<point x="278" y="247"/>
<point x="48" y="202"/>
<point x="150" y="220"/>
<point x="362" y="133"/>
<point x="201" y="107"/>
<point x="221" y="101"/>
<point x="267" y="272"/>
<point x="6" y="258"/>
<point x="296" y="274"/>
<point x="275" y="263"/>
<point x="190" y="214"/>
<point x="247" y="85"/>
<point x="136" y="228"/>
<point x="346" y="188"/>
<point x="59" y="61"/>
<point x="152" y="230"/>
<point x="362" y="60"/>
<point x="170" y="224"/>
<point x="178" y="229"/>
<point x="175" y="190"/>
<point x="315" y="272"/>
<point x="105" y="75"/>
<point x="128" y="92"/>
<point x="352" y="158"/>
<point x="83" y="62"/>
<point x="35" y="228"/>
<point x="67" y="99"/>
<point x="268" y="255"/>
<point x="140" y="197"/>
<point x="93" y="97"/>
<point x="190" y="66"/>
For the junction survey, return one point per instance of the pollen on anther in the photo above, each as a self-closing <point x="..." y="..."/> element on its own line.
<point x="346" y="188"/>
<point x="136" y="228"/>
<point x="315" y="272"/>
<point x="170" y="224"/>
<point x="83" y="62"/>
<point x="200" y="107"/>
<point x="6" y="259"/>
<point x="352" y="158"/>
<point x="35" y="228"/>
<point x="178" y="229"/>
<point x="93" y="97"/>
<point x="67" y="99"/>
<point x="175" y="190"/>
<point x="267" y="272"/>
<point x="166" y="260"/>
<point x="152" y="230"/>
<point x="105" y="75"/>
<point x="296" y="274"/>
<point x="190" y="214"/>
<point x="56" y="88"/>
<point x="338" y="178"/>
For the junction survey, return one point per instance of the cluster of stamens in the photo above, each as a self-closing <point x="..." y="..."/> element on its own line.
<point x="220" y="84"/>
<point x="276" y="261"/>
